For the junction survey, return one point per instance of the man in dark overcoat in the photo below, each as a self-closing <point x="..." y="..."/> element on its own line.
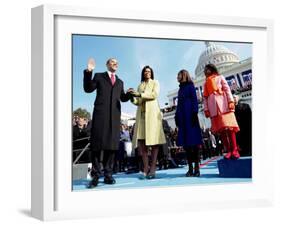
<point x="105" y="131"/>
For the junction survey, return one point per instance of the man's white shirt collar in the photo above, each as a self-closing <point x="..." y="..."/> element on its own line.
<point x="110" y="73"/>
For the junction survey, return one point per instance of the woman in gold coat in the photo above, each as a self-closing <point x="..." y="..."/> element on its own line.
<point x="148" y="131"/>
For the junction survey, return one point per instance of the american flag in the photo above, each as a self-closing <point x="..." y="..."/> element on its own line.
<point x="232" y="84"/>
<point x="247" y="78"/>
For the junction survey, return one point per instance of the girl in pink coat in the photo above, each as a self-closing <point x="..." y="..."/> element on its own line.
<point x="219" y="106"/>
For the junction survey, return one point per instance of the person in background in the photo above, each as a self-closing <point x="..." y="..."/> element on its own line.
<point x="135" y="164"/>
<point x="206" y="143"/>
<point x="186" y="118"/>
<point x="219" y="106"/>
<point x="163" y="154"/>
<point x="121" y="155"/>
<point x="243" y="115"/>
<point x="80" y="129"/>
<point x="174" y="137"/>
<point x="213" y="144"/>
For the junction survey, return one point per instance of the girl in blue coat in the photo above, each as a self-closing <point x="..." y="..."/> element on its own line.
<point x="189" y="132"/>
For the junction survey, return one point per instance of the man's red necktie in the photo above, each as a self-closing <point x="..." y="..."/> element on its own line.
<point x="112" y="79"/>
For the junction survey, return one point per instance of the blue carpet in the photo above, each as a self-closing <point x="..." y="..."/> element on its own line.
<point x="164" y="178"/>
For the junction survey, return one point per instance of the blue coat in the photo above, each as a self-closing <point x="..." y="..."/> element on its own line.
<point x="189" y="132"/>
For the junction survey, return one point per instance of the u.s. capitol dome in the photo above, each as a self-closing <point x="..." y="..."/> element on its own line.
<point x="216" y="54"/>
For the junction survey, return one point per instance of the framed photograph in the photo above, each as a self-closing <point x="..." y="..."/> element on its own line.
<point x="92" y="146"/>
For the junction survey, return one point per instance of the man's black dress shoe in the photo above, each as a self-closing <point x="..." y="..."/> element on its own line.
<point x="196" y="173"/>
<point x="189" y="173"/>
<point x="109" y="180"/>
<point x="94" y="182"/>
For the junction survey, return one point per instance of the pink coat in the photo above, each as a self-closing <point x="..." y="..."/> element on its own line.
<point x="216" y="102"/>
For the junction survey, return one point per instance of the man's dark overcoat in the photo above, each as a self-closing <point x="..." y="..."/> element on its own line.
<point x="105" y="132"/>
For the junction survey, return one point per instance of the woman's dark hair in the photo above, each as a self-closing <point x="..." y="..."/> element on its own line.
<point x="143" y="70"/>
<point x="186" y="74"/>
<point x="212" y="68"/>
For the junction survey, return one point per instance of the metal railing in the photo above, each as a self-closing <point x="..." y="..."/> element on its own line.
<point x="83" y="150"/>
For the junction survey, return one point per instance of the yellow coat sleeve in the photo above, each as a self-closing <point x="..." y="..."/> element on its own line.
<point x="137" y="101"/>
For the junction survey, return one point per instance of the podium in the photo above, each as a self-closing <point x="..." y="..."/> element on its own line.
<point x="80" y="171"/>
<point x="240" y="168"/>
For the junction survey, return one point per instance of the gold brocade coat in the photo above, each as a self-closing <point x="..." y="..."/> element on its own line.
<point x="149" y="106"/>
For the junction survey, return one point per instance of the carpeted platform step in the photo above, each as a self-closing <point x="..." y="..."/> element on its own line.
<point x="241" y="168"/>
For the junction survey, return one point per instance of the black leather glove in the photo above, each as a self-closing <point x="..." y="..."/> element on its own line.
<point x="130" y="95"/>
<point x="136" y="94"/>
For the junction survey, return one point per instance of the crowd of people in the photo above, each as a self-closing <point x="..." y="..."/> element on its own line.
<point x="150" y="144"/>
<point x="128" y="160"/>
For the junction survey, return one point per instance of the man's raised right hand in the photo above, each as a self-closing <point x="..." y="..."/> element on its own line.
<point x="91" y="64"/>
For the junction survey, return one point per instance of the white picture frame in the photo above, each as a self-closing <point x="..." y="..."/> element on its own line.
<point x="52" y="197"/>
